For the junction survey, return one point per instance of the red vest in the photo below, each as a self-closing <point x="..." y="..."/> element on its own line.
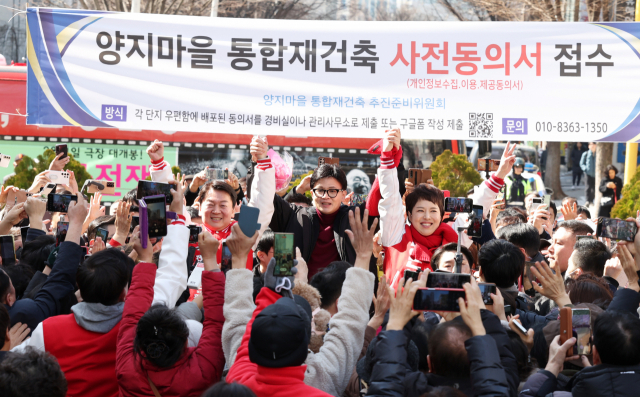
<point x="88" y="359"/>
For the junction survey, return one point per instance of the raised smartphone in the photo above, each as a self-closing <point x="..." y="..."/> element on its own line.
<point x="284" y="253"/>
<point x="419" y="175"/>
<point x="109" y="188"/>
<point x="59" y="177"/>
<point x="412" y="274"/>
<point x="447" y="280"/>
<point x="486" y="289"/>
<point x="616" y="229"/>
<point x="61" y="232"/>
<point x="328" y="160"/>
<point x="475" y="222"/>
<point x="62" y="148"/>
<point x="156" y="215"/>
<point x="148" y="188"/>
<point x="7" y="249"/>
<point x="581" y="329"/>
<point x="566" y="330"/>
<point x="60" y="202"/>
<point x="488" y="165"/>
<point x="248" y="220"/>
<point x="194" y="232"/>
<point x="48" y="189"/>
<point x="103" y="234"/>
<point x="458" y="204"/>
<point x="438" y="299"/>
<point x="214" y="174"/>
<point x="225" y="258"/>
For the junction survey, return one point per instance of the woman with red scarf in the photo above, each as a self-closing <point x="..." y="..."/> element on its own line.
<point x="408" y="246"/>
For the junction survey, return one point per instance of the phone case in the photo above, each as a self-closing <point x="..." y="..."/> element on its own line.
<point x="566" y="328"/>
<point x="144" y="223"/>
<point x="248" y="220"/>
<point x="195" y="279"/>
<point x="328" y="160"/>
<point x="4" y="160"/>
<point x="59" y="177"/>
<point x="109" y="188"/>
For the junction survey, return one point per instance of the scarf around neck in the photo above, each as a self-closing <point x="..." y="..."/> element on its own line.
<point x="425" y="246"/>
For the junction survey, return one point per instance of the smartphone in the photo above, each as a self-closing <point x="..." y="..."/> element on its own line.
<point x="566" y="329"/>
<point x="214" y="174"/>
<point x="59" y="177"/>
<point x="60" y="202"/>
<point x="8" y="249"/>
<point x="447" y="280"/>
<point x="61" y="232"/>
<point x="156" y="216"/>
<point x="148" y="188"/>
<point x="475" y="222"/>
<point x="195" y="278"/>
<point x="225" y="259"/>
<point x="109" y="187"/>
<point x="358" y="199"/>
<point x="438" y="299"/>
<point x="546" y="200"/>
<point x="5" y="160"/>
<point x="62" y="148"/>
<point x="520" y="328"/>
<point x="458" y="204"/>
<point x="135" y="221"/>
<point x="23" y="234"/>
<point x="581" y="329"/>
<point x="412" y="274"/>
<point x="51" y="187"/>
<point x="501" y="198"/>
<point x="194" y="232"/>
<point x="616" y="229"/>
<point x="328" y="160"/>
<point x="509" y="310"/>
<point x="103" y="234"/>
<point x="537" y="202"/>
<point x="248" y="220"/>
<point x="284" y="252"/>
<point x="419" y="175"/>
<point x="486" y="289"/>
<point x="488" y="165"/>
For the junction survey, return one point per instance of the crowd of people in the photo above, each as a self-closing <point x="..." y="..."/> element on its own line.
<point x="127" y="317"/>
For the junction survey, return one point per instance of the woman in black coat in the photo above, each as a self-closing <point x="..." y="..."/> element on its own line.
<point x="610" y="187"/>
<point x="576" y="155"/>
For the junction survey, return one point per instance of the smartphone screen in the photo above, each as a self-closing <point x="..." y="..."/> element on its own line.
<point x="135" y="221"/>
<point x="59" y="202"/>
<point x="23" y="234"/>
<point x="225" y="261"/>
<point x="214" y="174"/>
<point x="7" y="246"/>
<point x="616" y="229"/>
<point x="581" y="325"/>
<point x="438" y="300"/>
<point x="283" y="251"/>
<point x="358" y="199"/>
<point x="148" y="188"/>
<point x="546" y="200"/>
<point x="157" y="217"/>
<point x="475" y="222"/>
<point x="194" y="231"/>
<point x="61" y="232"/>
<point x="458" y="204"/>
<point x="486" y="289"/>
<point x="447" y="280"/>
<point x="103" y="234"/>
<point x="62" y="148"/>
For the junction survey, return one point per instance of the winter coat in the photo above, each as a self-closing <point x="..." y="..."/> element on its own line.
<point x="198" y="367"/>
<point x="264" y="381"/>
<point x="493" y="365"/>
<point x="576" y="156"/>
<point x="610" y="193"/>
<point x="331" y="368"/>
<point x="588" y="163"/>
<point x="55" y="291"/>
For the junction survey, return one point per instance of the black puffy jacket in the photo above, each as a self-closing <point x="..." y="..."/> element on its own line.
<point x="493" y="366"/>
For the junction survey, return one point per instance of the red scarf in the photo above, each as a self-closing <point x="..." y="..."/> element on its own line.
<point x="426" y="245"/>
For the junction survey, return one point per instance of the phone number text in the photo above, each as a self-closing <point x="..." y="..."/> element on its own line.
<point x="563" y="126"/>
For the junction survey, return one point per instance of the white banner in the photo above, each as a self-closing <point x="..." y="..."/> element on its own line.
<point x="472" y="80"/>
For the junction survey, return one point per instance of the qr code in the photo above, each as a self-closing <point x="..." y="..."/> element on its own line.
<point x="480" y="125"/>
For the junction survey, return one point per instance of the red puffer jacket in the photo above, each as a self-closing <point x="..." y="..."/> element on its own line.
<point x="197" y="369"/>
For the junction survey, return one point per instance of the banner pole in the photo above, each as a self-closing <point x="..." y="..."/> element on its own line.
<point x="631" y="156"/>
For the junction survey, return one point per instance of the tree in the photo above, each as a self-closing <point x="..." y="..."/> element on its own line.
<point x="27" y="170"/>
<point x="453" y="172"/>
<point x="604" y="153"/>
<point x="629" y="204"/>
<point x="552" y="170"/>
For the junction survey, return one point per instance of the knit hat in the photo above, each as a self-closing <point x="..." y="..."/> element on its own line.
<point x="280" y="335"/>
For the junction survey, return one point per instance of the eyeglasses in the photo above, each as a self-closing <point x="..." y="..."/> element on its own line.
<point x="333" y="193"/>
